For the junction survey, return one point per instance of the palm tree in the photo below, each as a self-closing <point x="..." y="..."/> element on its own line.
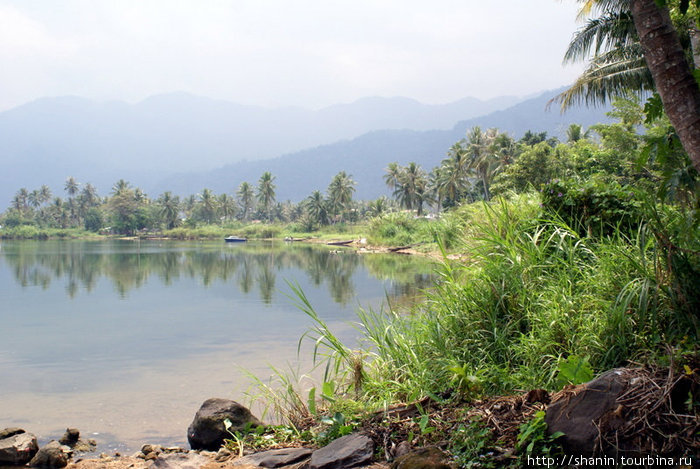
<point x="378" y="206"/>
<point x="266" y="193"/>
<point x="227" y="206"/>
<point x="20" y="200"/>
<point x="207" y="205"/>
<point x="189" y="204"/>
<point x="391" y="178"/>
<point x="44" y="194"/>
<point x="245" y="199"/>
<point x="672" y="75"/>
<point x="317" y="208"/>
<point x="169" y="209"/>
<point x="412" y="191"/>
<point x="340" y="193"/>
<point x="482" y="159"/>
<point x="34" y="198"/>
<point x="71" y="187"/>
<point x="58" y="213"/>
<point x="616" y="62"/>
<point x="451" y="180"/>
<point x="120" y="187"/>
<point x="636" y="48"/>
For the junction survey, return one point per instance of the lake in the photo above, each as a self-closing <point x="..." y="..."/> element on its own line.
<point x="125" y="339"/>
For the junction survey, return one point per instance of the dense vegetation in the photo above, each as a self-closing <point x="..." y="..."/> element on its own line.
<point x="585" y="251"/>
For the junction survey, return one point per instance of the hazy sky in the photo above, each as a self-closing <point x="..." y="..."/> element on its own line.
<point x="283" y="52"/>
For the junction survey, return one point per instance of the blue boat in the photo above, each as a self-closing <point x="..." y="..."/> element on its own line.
<point x="235" y="239"/>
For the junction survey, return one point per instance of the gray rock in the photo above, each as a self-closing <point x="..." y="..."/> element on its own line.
<point x="180" y="461"/>
<point x="402" y="448"/>
<point x="11" y="431"/>
<point x="18" y="448"/>
<point x="50" y="456"/>
<point x="70" y="437"/>
<point x="207" y="430"/>
<point x="347" y="451"/>
<point x="82" y="446"/>
<point x="577" y="413"/>
<point x="275" y="457"/>
<point x="430" y="457"/>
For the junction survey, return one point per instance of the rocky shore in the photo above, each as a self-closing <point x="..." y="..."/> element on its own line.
<point x="626" y="412"/>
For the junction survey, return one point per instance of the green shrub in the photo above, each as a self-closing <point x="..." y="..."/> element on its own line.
<point x="594" y="207"/>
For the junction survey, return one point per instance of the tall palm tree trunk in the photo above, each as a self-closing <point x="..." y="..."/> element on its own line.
<point x="664" y="56"/>
<point x="484" y="181"/>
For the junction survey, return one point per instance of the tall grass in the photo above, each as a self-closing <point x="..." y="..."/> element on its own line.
<point x="532" y="293"/>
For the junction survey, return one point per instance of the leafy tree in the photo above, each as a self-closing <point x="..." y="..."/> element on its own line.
<point x="93" y="220"/>
<point x="535" y="166"/>
<point x="575" y="132"/>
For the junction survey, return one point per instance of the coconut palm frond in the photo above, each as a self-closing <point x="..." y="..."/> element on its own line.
<point x="601" y="82"/>
<point x="601" y="35"/>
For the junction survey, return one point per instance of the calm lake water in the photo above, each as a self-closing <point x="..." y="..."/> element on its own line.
<point x="125" y="339"/>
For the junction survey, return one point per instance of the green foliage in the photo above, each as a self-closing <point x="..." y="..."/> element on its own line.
<point x="468" y="384"/>
<point x="94" y="220"/>
<point x="336" y="426"/>
<point x="533" y="439"/>
<point x="574" y="370"/>
<point x="399" y="229"/>
<point x="534" y="167"/>
<point x="593" y="207"/>
<point x="261" y="437"/>
<point x="533" y="291"/>
<point x="471" y="444"/>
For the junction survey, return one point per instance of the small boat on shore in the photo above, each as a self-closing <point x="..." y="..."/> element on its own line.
<point x="339" y="243"/>
<point x="235" y="239"/>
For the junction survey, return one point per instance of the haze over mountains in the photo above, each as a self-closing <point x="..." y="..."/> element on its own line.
<point x="184" y="143"/>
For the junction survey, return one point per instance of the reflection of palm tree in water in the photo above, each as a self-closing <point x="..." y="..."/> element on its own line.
<point x="129" y="265"/>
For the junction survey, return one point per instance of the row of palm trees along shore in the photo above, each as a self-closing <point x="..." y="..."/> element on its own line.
<point x="467" y="173"/>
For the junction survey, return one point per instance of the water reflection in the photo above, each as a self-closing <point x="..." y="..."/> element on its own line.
<point x="130" y="265"/>
<point x="129" y="338"/>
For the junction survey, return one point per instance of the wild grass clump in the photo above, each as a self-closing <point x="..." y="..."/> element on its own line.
<point x="259" y="231"/>
<point x="403" y="228"/>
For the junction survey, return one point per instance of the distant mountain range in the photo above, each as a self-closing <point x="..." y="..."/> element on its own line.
<point x="177" y="141"/>
<point x="366" y="157"/>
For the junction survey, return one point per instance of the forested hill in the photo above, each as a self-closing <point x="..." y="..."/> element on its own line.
<point x="45" y="141"/>
<point x="365" y="157"/>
